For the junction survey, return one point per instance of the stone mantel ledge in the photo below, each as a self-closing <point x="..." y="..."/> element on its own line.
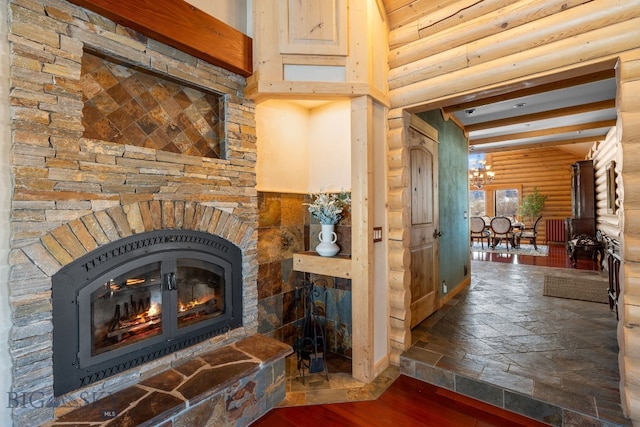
<point x="223" y="385"/>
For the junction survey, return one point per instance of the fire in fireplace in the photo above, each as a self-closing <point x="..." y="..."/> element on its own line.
<point x="141" y="298"/>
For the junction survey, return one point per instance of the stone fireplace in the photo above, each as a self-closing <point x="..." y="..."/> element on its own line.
<point x="76" y="193"/>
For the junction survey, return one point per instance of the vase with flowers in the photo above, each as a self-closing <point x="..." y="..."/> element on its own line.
<point x="327" y="208"/>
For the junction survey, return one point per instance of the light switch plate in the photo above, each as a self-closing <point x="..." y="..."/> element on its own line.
<point x="377" y="234"/>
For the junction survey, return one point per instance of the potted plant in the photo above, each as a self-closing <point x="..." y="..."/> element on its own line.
<point x="327" y="208"/>
<point x="532" y="205"/>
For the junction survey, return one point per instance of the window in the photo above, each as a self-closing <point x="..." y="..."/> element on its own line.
<point x="494" y="200"/>
<point x="475" y="159"/>
<point x="477" y="203"/>
<point x="507" y="202"/>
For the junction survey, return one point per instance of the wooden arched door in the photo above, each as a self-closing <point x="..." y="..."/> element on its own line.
<point x="424" y="225"/>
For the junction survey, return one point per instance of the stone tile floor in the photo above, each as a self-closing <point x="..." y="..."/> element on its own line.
<point x="502" y="331"/>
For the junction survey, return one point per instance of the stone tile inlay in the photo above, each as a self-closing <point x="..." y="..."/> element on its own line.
<point x="238" y="374"/>
<point x="285" y="227"/>
<point x="127" y="105"/>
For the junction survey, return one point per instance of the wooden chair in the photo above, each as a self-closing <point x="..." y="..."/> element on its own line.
<point x="529" y="234"/>
<point x="501" y="229"/>
<point x="479" y="230"/>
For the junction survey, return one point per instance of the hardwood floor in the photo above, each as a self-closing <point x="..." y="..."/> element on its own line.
<point x="557" y="257"/>
<point x="407" y="402"/>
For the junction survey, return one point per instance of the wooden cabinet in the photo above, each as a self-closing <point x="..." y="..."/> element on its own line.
<point x="583" y="200"/>
<point x="583" y="190"/>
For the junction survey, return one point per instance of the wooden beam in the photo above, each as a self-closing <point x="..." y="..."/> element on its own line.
<point x="545" y="132"/>
<point x="183" y="26"/>
<point x="533" y="90"/>
<point x="551" y="114"/>
<point x="555" y="143"/>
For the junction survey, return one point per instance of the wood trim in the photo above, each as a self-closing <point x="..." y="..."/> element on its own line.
<point x="465" y="283"/>
<point x="339" y="61"/>
<point x="423" y="127"/>
<point x="183" y="26"/>
<point x="311" y="262"/>
<point x="362" y="251"/>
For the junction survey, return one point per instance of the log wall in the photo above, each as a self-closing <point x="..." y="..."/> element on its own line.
<point x="452" y="64"/>
<point x="628" y="136"/>
<point x="607" y="217"/>
<point x="549" y="169"/>
<point x="438" y="60"/>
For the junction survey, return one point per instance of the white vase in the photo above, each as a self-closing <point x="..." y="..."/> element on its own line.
<point x="328" y="237"/>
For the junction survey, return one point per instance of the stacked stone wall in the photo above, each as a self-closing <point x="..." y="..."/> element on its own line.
<point x="72" y="194"/>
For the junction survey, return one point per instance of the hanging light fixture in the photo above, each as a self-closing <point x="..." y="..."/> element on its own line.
<point x="480" y="175"/>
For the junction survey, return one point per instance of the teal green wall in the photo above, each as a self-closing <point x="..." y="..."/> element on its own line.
<point x="453" y="199"/>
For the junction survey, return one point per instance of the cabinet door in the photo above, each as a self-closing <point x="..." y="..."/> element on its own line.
<point x="314" y="27"/>
<point x="583" y="190"/>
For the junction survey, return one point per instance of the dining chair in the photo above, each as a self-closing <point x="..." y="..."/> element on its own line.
<point x="479" y="230"/>
<point x="501" y="229"/>
<point x="529" y="234"/>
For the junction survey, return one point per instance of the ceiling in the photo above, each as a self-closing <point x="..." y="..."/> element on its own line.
<point x="569" y="112"/>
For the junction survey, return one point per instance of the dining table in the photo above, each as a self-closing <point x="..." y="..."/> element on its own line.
<point x="516" y="228"/>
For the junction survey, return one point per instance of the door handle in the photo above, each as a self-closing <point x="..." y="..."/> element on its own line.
<point x="436" y="234"/>
<point x="171" y="281"/>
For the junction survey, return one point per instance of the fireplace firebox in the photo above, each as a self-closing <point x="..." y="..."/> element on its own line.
<point x="141" y="298"/>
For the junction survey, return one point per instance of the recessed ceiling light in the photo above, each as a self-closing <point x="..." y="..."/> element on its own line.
<point x="520" y="105"/>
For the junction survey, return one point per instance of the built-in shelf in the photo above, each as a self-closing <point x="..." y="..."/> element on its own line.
<point x="311" y="262"/>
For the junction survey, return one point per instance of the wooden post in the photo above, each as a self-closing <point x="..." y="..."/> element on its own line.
<point x="362" y="247"/>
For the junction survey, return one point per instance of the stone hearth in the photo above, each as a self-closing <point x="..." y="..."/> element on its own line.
<point x="233" y="385"/>
<point x="73" y="193"/>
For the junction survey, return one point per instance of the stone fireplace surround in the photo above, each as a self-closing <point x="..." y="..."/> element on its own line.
<point x="72" y="194"/>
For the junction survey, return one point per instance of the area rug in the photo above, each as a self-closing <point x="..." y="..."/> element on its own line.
<point x="524" y="249"/>
<point x="576" y="288"/>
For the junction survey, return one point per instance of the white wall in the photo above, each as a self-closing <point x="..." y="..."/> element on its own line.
<point x="6" y="187"/>
<point x="283" y="150"/>
<point x="234" y="13"/>
<point x="303" y="147"/>
<point x="330" y="147"/>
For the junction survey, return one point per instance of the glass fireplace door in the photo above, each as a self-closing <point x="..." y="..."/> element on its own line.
<point x="127" y="309"/>
<point x="200" y="287"/>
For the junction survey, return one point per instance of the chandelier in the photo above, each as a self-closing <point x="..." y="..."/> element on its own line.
<point x="480" y="175"/>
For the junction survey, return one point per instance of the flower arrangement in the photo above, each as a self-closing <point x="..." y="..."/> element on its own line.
<point x="327" y="207"/>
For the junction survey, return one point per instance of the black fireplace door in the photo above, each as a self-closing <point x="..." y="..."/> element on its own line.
<point x="150" y="300"/>
<point x="141" y="299"/>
